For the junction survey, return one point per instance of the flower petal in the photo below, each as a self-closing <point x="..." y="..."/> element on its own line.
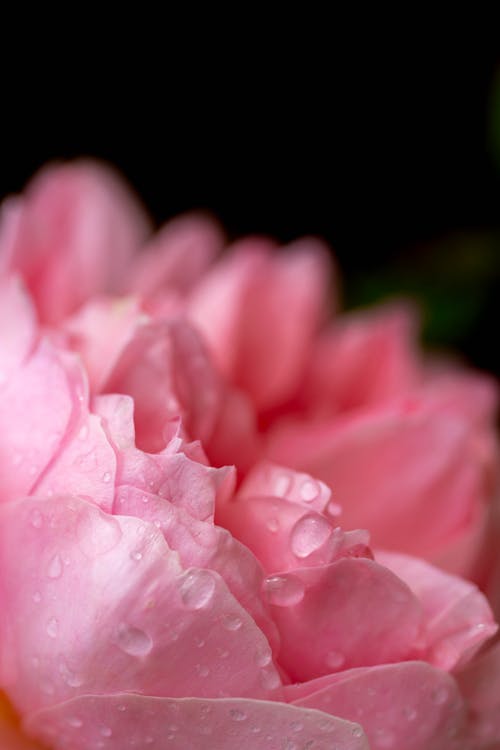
<point x="93" y="590"/>
<point x="410" y="705"/>
<point x="146" y="723"/>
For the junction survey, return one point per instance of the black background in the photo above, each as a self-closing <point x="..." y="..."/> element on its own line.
<point x="391" y="161"/>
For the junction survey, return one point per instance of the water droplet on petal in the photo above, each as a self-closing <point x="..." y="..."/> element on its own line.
<point x="296" y="726"/>
<point x="282" y="484"/>
<point x="269" y="679"/>
<point x="36" y="519"/>
<point x="231" y="622"/>
<point x="202" y="670"/>
<point x="263" y="657"/>
<point x="37" y="597"/>
<point x="197" y="589"/>
<point x="75" y="722"/>
<point x="335" y="660"/>
<point x="83" y="432"/>
<point x="309" y="490"/>
<point x="237" y="715"/>
<point x="440" y="696"/>
<point x="309" y="534"/>
<point x="284" y="591"/>
<point x="55" y="567"/>
<point x="133" y="641"/>
<point x="52" y="627"/>
<point x="136" y="555"/>
<point x="272" y="525"/>
<point x="106" y="477"/>
<point x="106" y="732"/>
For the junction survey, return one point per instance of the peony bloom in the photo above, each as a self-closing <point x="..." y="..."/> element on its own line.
<point x="155" y="596"/>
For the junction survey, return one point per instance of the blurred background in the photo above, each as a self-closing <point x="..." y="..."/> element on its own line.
<point x="396" y="163"/>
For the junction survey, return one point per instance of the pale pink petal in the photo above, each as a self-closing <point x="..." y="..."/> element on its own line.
<point x="458" y="618"/>
<point x="268" y="479"/>
<point x="77" y="229"/>
<point x="166" y="370"/>
<point x="350" y="613"/>
<point x="17" y="327"/>
<point x="284" y="535"/>
<point x="93" y="590"/>
<point x="410" y="706"/>
<point x="203" y="545"/>
<point x="36" y="406"/>
<point x="176" y="257"/>
<point x="416" y="464"/>
<point x="100" y="331"/>
<point x="235" y="439"/>
<point x="147" y="723"/>
<point x="259" y="331"/>
<point x="480" y="685"/>
<point x="365" y="359"/>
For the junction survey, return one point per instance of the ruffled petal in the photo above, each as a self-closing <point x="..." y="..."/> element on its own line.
<point x="93" y="589"/>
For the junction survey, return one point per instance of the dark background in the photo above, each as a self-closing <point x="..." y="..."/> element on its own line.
<point x="396" y="164"/>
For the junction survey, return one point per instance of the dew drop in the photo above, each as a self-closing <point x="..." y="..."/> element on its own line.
<point x="106" y="732"/>
<point x="439" y="696"/>
<point x="121" y="707"/>
<point x="75" y="722"/>
<point x="263" y="657"/>
<point x="202" y="670"/>
<point x="231" y="622"/>
<point x="284" y="591"/>
<point x="357" y="732"/>
<point x="282" y="484"/>
<point x="136" y="555"/>
<point x="197" y="589"/>
<point x="106" y="477"/>
<point x="36" y="519"/>
<point x="309" y="490"/>
<point x="272" y="525"/>
<point x="309" y="534"/>
<point x="335" y="660"/>
<point x="296" y="726"/>
<point x="410" y="713"/>
<point x="237" y="715"/>
<point x="133" y="641"/>
<point x="269" y="679"/>
<point x="37" y="597"/>
<point x="52" y="627"/>
<point x="84" y="432"/>
<point x="55" y="567"/>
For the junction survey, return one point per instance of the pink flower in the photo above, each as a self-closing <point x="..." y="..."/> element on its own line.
<point x="153" y="598"/>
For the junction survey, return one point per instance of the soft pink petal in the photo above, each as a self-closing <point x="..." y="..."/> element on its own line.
<point x="93" y="590"/>
<point x="417" y="464"/>
<point x="268" y="479"/>
<point x="480" y="685"/>
<point x="17" y="326"/>
<point x="240" y="307"/>
<point x="458" y="618"/>
<point x="36" y="406"/>
<point x="350" y="613"/>
<point x="285" y="535"/>
<point x="76" y="230"/>
<point x="408" y="706"/>
<point x="365" y="359"/>
<point x="176" y="257"/>
<point x="166" y="370"/>
<point x="147" y="723"/>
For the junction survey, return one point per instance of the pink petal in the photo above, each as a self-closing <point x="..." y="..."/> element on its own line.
<point x="415" y="464"/>
<point x="166" y="370"/>
<point x="93" y="590"/>
<point x="410" y="705"/>
<point x="480" y="685"/>
<point x="285" y="535"/>
<point x="176" y="257"/>
<point x="458" y="618"/>
<point x="76" y="230"/>
<point x="36" y="405"/>
<point x="239" y="306"/>
<point x="18" y="327"/>
<point x="365" y="359"/>
<point x="359" y="612"/>
<point x="147" y="723"/>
